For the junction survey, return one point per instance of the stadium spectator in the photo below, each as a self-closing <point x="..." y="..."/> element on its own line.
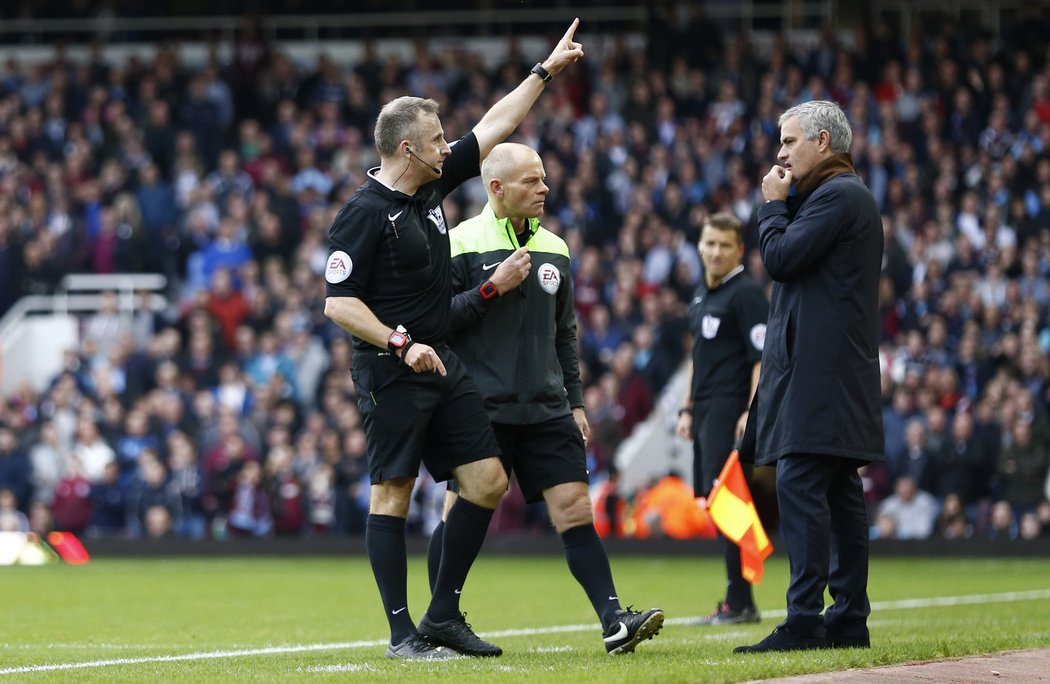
<point x="911" y="511"/>
<point x="249" y="513"/>
<point x="1002" y="523"/>
<point x="227" y="305"/>
<point x="186" y="482"/>
<point x="150" y="490"/>
<point x="952" y="522"/>
<point x="91" y="450"/>
<point x="1022" y="469"/>
<point x="633" y="399"/>
<point x="109" y="503"/>
<point x="15" y="468"/>
<point x="285" y="492"/>
<point x="46" y="461"/>
<point x="11" y="518"/>
<point x="963" y="466"/>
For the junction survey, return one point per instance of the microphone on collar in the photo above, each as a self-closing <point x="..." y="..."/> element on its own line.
<point x="432" y="168"/>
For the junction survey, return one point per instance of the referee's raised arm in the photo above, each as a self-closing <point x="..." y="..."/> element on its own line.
<point x="504" y="116"/>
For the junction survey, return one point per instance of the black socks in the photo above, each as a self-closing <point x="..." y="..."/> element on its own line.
<point x="385" y="543"/>
<point x="437" y="538"/>
<point x="589" y="564"/>
<point x="463" y="536"/>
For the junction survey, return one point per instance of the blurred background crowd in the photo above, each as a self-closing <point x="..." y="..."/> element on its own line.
<point x="232" y="412"/>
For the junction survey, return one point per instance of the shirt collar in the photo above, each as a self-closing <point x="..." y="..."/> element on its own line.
<point x="729" y="276"/>
<point x="383" y="187"/>
<point x="505" y="224"/>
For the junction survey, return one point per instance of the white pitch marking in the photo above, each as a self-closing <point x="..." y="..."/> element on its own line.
<point x="349" y="667"/>
<point x="902" y="604"/>
<point x="207" y="655"/>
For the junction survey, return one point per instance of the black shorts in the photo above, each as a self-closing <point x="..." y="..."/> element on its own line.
<point x="714" y="431"/>
<point x="412" y="418"/>
<point x="541" y="455"/>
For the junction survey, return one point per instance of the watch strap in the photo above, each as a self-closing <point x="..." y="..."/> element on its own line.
<point x="541" y="72"/>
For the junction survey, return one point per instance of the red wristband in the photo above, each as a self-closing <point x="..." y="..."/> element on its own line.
<point x="488" y="290"/>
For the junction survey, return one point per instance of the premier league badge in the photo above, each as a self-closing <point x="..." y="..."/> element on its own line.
<point x="709" y="326"/>
<point x="438" y="219"/>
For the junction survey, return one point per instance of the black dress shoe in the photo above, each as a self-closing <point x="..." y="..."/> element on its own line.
<point x="849" y="641"/>
<point x="847" y="634"/>
<point x="783" y="639"/>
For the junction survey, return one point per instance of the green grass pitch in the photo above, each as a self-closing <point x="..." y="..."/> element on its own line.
<point x="319" y="619"/>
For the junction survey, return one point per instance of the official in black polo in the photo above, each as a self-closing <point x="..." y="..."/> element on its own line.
<point x="388" y="285"/>
<point x="817" y="412"/>
<point x="727" y="319"/>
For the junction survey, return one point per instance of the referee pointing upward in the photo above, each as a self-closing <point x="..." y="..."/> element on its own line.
<point x="388" y="285"/>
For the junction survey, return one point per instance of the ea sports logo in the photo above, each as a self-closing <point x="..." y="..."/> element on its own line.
<point x="339" y="267"/>
<point x="549" y="277"/>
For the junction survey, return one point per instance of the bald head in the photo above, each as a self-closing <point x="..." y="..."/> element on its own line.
<point x="504" y="159"/>
<point x="513" y="175"/>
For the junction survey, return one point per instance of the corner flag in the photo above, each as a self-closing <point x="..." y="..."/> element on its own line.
<point x="733" y="511"/>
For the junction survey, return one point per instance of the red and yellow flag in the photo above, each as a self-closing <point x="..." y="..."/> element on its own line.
<point x="733" y="511"/>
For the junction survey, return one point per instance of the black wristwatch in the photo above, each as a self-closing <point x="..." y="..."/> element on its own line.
<point x="541" y="72"/>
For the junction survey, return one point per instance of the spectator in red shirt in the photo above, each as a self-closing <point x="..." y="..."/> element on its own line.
<point x="227" y="306"/>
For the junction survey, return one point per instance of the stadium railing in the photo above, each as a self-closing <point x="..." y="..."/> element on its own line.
<point x="38" y="329"/>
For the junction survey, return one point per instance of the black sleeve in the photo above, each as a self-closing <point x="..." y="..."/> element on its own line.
<point x="468" y="306"/>
<point x="463" y="164"/>
<point x="791" y="246"/>
<point x="352" y="242"/>
<point x="752" y="314"/>
<point x="565" y="342"/>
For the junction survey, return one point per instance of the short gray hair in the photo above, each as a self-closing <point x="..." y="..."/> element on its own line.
<point x="822" y="115"/>
<point x="399" y="120"/>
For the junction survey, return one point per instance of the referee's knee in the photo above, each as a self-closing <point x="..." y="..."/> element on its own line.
<point x="482" y="482"/>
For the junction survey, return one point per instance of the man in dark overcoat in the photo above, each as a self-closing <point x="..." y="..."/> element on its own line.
<point x="817" y="413"/>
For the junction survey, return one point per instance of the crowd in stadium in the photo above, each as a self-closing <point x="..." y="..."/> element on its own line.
<point x="233" y="412"/>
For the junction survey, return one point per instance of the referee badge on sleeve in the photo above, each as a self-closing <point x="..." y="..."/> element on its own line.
<point x="709" y="326"/>
<point x="758" y="336"/>
<point x="338" y="267"/>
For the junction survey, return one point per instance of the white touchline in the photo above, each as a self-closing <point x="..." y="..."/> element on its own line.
<point x="207" y="655"/>
<point x="902" y="604"/>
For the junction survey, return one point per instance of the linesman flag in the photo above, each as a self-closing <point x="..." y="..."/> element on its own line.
<point x="733" y="511"/>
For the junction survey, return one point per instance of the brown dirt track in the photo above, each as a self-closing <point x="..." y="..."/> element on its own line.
<point x="1011" y="666"/>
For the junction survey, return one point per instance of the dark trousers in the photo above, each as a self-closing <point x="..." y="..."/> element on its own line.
<point x="714" y="424"/>
<point x="825" y="528"/>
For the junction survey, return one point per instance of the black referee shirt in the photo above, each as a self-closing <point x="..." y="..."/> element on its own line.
<point x="728" y="324"/>
<point x="391" y="250"/>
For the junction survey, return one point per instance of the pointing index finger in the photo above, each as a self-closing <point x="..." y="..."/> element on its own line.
<point x="567" y="38"/>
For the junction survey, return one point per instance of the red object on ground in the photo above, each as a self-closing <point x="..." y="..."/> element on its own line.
<point x="68" y="547"/>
